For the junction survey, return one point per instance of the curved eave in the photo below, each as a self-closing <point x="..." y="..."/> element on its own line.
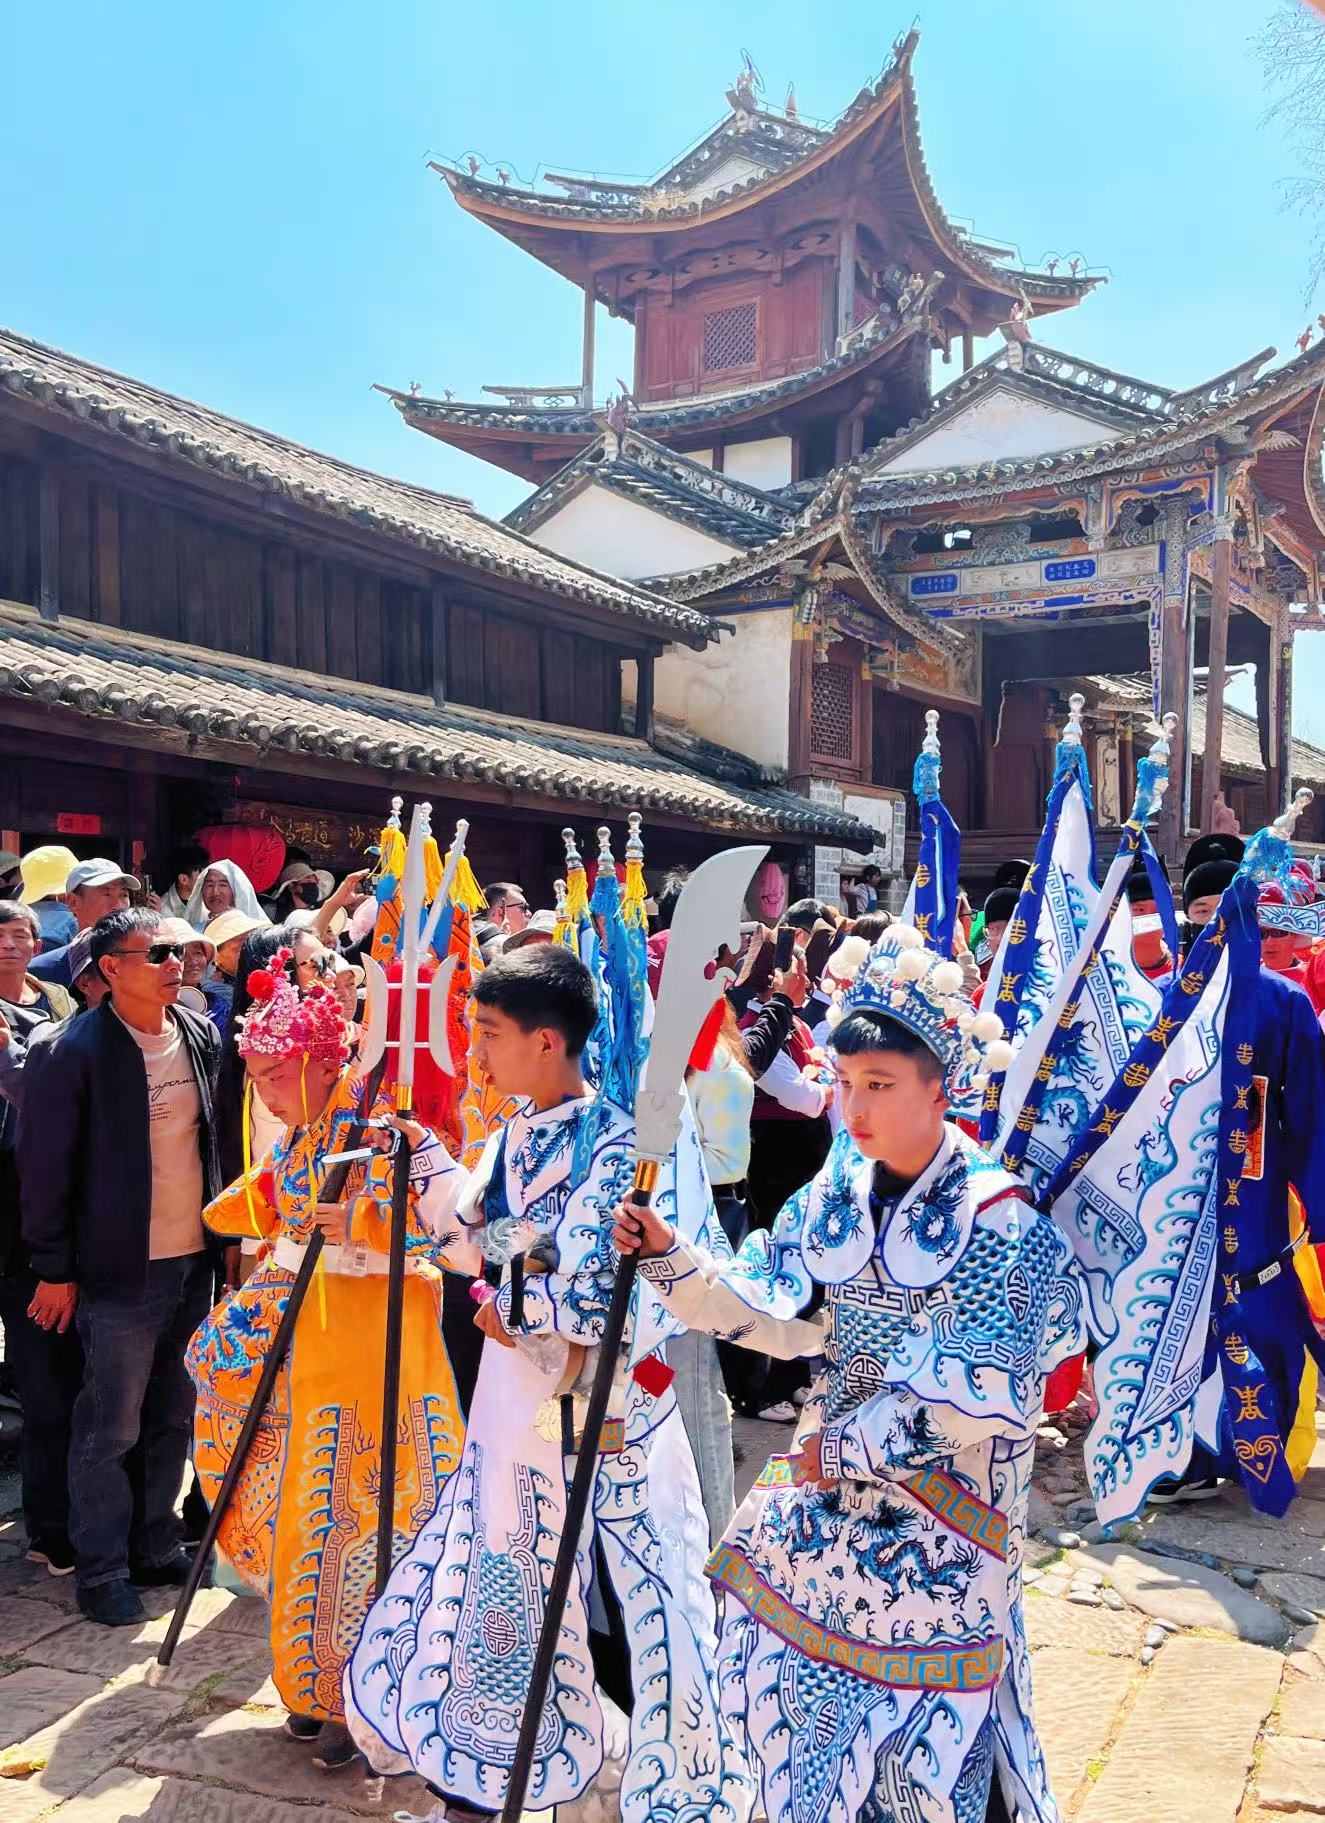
<point x="568" y="429"/>
<point x="1263" y="403"/>
<point x="508" y="210"/>
<point x="554" y="231"/>
<point x="958" y="254"/>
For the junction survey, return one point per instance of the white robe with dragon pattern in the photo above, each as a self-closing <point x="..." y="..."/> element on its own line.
<point x="873" y="1652"/>
<point x="439" y="1678"/>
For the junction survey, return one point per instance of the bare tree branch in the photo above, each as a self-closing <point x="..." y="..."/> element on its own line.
<point x="1291" y="45"/>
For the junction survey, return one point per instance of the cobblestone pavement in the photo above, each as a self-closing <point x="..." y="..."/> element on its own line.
<point x="1179" y="1677"/>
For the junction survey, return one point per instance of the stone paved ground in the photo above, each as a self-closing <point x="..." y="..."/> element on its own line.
<point x="1173" y="1688"/>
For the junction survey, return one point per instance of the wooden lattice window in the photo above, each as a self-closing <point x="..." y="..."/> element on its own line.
<point x="731" y="338"/>
<point x="833" y="712"/>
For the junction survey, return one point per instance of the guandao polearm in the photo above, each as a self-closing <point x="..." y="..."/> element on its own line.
<point x="707" y="920"/>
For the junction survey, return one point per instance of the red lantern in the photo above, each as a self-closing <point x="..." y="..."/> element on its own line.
<point x="258" y="852"/>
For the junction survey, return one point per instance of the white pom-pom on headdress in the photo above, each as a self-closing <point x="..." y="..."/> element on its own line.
<point x="847" y="958"/>
<point x="904" y="936"/>
<point x="912" y="964"/>
<point x="987" y="1027"/>
<point x="999" y="1055"/>
<point x="946" y="978"/>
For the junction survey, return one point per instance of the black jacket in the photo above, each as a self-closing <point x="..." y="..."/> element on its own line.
<point x="84" y="1149"/>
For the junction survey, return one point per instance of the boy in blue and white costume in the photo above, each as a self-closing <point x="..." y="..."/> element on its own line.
<point x="439" y="1679"/>
<point x="873" y="1655"/>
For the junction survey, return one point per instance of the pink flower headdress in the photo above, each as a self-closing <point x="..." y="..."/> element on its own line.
<point x="286" y="1021"/>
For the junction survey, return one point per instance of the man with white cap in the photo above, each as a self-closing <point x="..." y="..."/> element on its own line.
<point x="93" y="890"/>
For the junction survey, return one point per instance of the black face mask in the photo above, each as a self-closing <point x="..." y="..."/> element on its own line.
<point x="307" y="892"/>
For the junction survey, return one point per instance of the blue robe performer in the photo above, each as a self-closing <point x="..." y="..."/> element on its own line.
<point x="873" y="1654"/>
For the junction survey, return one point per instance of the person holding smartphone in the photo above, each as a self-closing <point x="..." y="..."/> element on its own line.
<point x="790" y="1137"/>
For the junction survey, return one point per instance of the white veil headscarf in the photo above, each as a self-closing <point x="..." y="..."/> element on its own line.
<point x="246" y="900"/>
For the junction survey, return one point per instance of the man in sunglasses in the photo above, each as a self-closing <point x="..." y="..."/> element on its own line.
<point x="117" y="1155"/>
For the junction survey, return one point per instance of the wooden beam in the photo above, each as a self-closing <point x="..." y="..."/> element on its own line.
<point x="1175" y="668"/>
<point x="1212" y="759"/>
<point x="108" y="557"/>
<point x="644" y="696"/>
<point x="1281" y="670"/>
<point x="968" y="351"/>
<point x="437" y="606"/>
<point x="586" y="361"/>
<point x="48" y="514"/>
<point x="846" y="277"/>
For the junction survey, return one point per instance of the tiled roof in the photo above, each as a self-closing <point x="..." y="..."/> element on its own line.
<point x="779" y="146"/>
<point x="110" y="675"/>
<point x="664" y="482"/>
<point x="658" y="420"/>
<point x="435" y="523"/>
<point x="1176" y="421"/>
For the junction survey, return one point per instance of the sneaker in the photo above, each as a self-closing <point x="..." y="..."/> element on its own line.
<point x="172" y="1574"/>
<point x="56" y="1553"/>
<point x="111" y="1604"/>
<point x="1177" y="1493"/>
<point x="335" y="1749"/>
<point x="784" y="1412"/>
<point x="302" y="1728"/>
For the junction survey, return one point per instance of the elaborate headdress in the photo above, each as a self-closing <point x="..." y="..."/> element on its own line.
<point x="286" y="1021"/>
<point x="922" y="991"/>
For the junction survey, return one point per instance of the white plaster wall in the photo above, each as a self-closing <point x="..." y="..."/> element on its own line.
<point x="1002" y="424"/>
<point x="737" y="691"/>
<point x="624" y="539"/>
<point x="700" y="455"/>
<point x="763" y="462"/>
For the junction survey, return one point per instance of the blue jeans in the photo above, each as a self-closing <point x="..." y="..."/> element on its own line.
<point x="137" y="1401"/>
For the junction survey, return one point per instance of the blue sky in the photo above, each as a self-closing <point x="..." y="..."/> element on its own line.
<point x="233" y="202"/>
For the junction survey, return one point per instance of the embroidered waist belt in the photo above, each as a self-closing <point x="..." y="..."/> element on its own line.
<point x="1248" y="1281"/>
<point x="964" y="1665"/>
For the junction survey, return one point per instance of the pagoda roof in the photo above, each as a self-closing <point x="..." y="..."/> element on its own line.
<point x="1275" y="419"/>
<point x="195" y="437"/>
<point x="658" y="479"/>
<point x="574" y="226"/>
<point x="507" y="434"/>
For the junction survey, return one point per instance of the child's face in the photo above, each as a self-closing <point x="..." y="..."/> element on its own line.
<point x="512" y="1059"/>
<point x="890" y="1103"/>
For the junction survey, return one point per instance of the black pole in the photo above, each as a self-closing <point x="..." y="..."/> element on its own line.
<point x="577" y="1505"/>
<point x="395" y="1325"/>
<point x="257" y="1410"/>
<point x="332" y="1191"/>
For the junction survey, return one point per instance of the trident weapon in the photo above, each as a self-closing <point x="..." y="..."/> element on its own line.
<point x="708" y="916"/>
<point x="415" y="938"/>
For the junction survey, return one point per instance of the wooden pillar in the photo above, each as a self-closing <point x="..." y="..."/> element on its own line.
<point x="1285" y="712"/>
<point x="798" y="704"/>
<point x="586" y="363"/>
<point x="48" y="512"/>
<point x="644" y="696"/>
<point x="719" y="454"/>
<point x="1279" y="691"/>
<point x="437" y="605"/>
<point x="1175" y="672"/>
<point x="968" y="351"/>
<point x="846" y="278"/>
<point x="1126" y="766"/>
<point x="1212" y="759"/>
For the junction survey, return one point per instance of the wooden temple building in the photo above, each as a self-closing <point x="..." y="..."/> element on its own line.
<point x="869" y="548"/>
<point x="203" y="623"/>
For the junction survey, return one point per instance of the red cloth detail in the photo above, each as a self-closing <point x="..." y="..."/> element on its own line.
<point x="1064" y="1383"/>
<point x="701" y="1055"/>
<point x="653" y="1376"/>
<point x="259" y="852"/>
<point x="801" y="1049"/>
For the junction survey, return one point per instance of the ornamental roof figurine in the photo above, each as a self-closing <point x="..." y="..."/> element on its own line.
<point x="905" y="981"/>
<point x="286" y="1021"/>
